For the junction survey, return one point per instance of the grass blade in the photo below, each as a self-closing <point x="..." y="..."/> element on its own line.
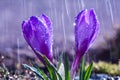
<point x="52" y="70"/>
<point x="66" y="67"/>
<point x="82" y="69"/>
<point x="42" y="73"/>
<point x="88" y="72"/>
<point x="59" y="64"/>
<point x="34" y="70"/>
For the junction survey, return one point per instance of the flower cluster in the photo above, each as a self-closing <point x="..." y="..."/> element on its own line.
<point x="38" y="33"/>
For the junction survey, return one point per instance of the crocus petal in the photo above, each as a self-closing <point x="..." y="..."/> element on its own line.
<point x="86" y="29"/>
<point x="47" y="21"/>
<point x="37" y="32"/>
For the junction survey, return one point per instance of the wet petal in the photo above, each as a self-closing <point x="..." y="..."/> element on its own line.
<point x="38" y="35"/>
<point x="86" y="30"/>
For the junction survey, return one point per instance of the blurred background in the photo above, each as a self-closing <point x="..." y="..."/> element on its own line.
<point x="62" y="14"/>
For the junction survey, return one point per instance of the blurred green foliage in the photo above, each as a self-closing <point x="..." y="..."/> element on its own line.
<point x="108" y="68"/>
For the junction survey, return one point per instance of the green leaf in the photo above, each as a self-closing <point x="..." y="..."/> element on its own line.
<point x="61" y="71"/>
<point x="59" y="63"/>
<point x="88" y="72"/>
<point x="39" y="70"/>
<point x="82" y="69"/>
<point x="42" y="73"/>
<point x="52" y="70"/>
<point x="34" y="70"/>
<point x="66" y="67"/>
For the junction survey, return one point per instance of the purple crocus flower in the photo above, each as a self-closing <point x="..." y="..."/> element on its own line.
<point x="37" y="32"/>
<point x="86" y="29"/>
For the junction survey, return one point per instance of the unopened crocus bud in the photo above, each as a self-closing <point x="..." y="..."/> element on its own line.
<point x="38" y="33"/>
<point x="86" y="29"/>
